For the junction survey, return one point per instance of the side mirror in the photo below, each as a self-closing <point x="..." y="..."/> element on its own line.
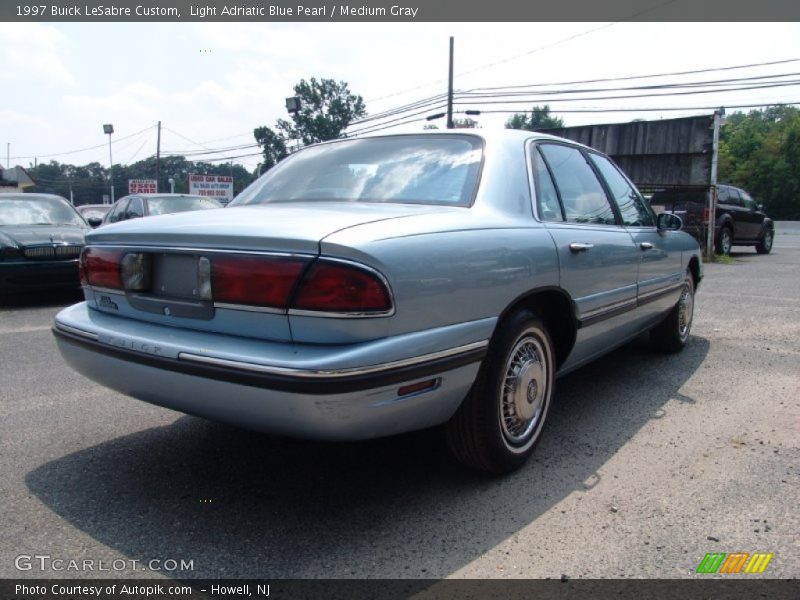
<point x="760" y="207"/>
<point x="94" y="221"/>
<point x="668" y="222"/>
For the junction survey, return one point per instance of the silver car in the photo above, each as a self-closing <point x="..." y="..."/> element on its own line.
<point x="369" y="287"/>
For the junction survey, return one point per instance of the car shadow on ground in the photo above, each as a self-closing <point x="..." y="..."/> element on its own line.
<point x="243" y="504"/>
<point x="40" y="299"/>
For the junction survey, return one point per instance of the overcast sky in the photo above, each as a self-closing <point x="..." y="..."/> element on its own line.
<point x="212" y="83"/>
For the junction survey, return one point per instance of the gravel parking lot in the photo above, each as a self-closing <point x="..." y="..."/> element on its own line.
<point x="648" y="463"/>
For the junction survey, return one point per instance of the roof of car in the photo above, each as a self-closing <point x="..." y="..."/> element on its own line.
<point x="492" y="136"/>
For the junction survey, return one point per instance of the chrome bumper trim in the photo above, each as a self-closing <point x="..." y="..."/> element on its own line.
<point x="332" y="373"/>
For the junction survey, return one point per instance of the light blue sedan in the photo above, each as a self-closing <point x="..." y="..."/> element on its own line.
<point x="369" y="287"/>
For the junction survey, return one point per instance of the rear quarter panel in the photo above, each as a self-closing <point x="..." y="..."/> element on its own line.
<point x="441" y="274"/>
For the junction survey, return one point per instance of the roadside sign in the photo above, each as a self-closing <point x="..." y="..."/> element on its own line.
<point x="141" y="186"/>
<point x="219" y="187"/>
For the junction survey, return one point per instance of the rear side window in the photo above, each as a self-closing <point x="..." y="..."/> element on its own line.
<point x="135" y="209"/>
<point x="730" y="196"/>
<point x="404" y="169"/>
<point x="582" y="196"/>
<point x="549" y="208"/>
<point x="630" y="204"/>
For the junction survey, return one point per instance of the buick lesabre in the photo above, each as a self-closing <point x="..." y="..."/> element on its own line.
<point x="373" y="286"/>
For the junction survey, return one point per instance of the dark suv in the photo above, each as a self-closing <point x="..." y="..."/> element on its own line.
<point x="739" y="220"/>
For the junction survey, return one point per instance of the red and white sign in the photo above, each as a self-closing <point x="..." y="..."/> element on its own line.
<point x="141" y="186"/>
<point x="219" y="187"/>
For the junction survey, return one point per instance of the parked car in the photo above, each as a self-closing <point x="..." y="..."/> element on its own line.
<point x="739" y="220"/>
<point x="93" y="213"/>
<point x="372" y="286"/>
<point x="41" y="238"/>
<point x="148" y="205"/>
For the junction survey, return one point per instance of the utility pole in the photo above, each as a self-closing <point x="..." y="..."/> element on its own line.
<point x="8" y="155"/>
<point x="450" y="89"/>
<point x="158" y="155"/>
<point x="712" y="192"/>
<point x="108" y="129"/>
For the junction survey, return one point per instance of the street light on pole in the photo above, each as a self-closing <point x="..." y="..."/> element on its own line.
<point x="109" y="129"/>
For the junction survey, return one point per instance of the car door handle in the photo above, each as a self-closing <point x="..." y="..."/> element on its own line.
<point x="580" y="247"/>
<point x="646" y="246"/>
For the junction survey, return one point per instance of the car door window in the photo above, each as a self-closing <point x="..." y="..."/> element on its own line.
<point x="547" y="204"/>
<point x="582" y="196"/>
<point x="135" y="209"/>
<point x="749" y="203"/>
<point x="631" y="206"/>
<point x="118" y="211"/>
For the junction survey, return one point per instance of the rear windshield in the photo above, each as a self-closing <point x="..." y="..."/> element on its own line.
<point x="38" y="211"/>
<point x="402" y="169"/>
<point x="164" y="205"/>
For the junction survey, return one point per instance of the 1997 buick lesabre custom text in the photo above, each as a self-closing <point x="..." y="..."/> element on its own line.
<point x="368" y="287"/>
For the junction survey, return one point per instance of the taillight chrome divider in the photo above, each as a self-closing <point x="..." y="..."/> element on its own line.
<point x="135" y="276"/>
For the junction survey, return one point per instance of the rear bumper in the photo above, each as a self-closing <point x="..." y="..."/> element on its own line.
<point x="21" y="276"/>
<point x="260" y="387"/>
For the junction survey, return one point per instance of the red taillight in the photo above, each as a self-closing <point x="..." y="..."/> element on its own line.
<point x="254" y="281"/>
<point x="333" y="287"/>
<point x="101" y="268"/>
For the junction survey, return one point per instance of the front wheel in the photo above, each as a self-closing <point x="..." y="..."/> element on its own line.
<point x="500" y="421"/>
<point x="672" y="333"/>
<point x="765" y="245"/>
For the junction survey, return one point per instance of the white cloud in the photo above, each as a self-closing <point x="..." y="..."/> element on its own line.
<point x="33" y="54"/>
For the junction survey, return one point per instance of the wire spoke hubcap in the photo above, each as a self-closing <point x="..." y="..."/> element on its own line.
<point x="685" y="311"/>
<point x="525" y="388"/>
<point x="726" y="241"/>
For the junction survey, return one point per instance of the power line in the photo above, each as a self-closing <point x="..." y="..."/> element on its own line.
<point x="115" y="141"/>
<point x="628" y="96"/>
<point x="648" y="109"/>
<point x="535" y="50"/>
<point x="686" y="84"/>
<point x="630" y="77"/>
<point x="209" y="151"/>
<point x="422" y="112"/>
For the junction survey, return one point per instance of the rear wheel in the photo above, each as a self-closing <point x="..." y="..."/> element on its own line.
<point x="672" y="333"/>
<point x="765" y="245"/>
<point x="724" y="240"/>
<point x="500" y="421"/>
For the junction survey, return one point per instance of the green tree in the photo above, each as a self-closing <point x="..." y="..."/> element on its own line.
<point x="327" y="107"/>
<point x="540" y="118"/>
<point x="272" y="144"/>
<point x="89" y="183"/>
<point x="760" y="152"/>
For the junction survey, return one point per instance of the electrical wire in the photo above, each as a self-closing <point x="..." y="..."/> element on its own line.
<point x="655" y="75"/>
<point x="720" y="83"/>
<point x="648" y="109"/>
<point x="113" y="141"/>
<point x="628" y="96"/>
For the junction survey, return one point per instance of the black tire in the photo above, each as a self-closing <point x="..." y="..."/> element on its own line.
<point x="765" y="245"/>
<point x="724" y="241"/>
<point x="673" y="332"/>
<point x="499" y="423"/>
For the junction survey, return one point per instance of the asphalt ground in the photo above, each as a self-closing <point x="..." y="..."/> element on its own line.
<point x="648" y="462"/>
